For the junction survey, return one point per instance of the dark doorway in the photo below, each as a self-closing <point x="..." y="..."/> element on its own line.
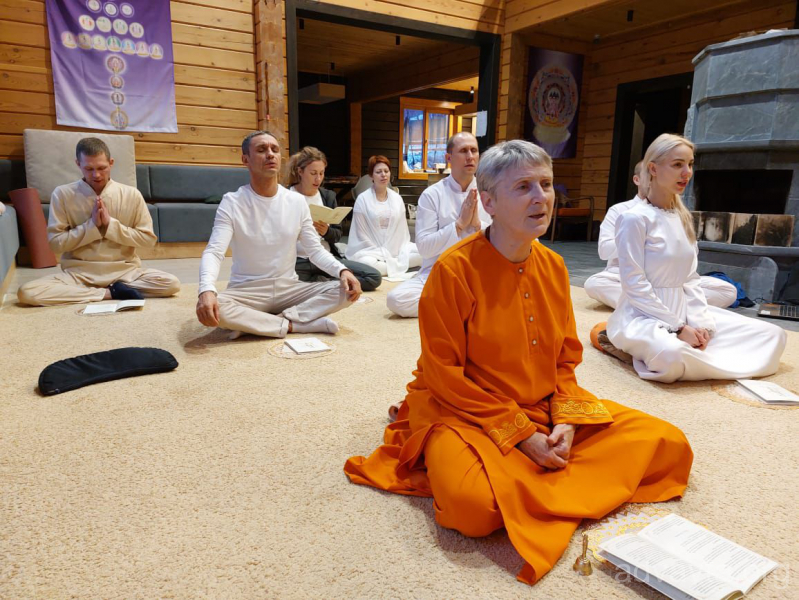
<point x="326" y="125"/>
<point x="489" y="43"/>
<point x="644" y="110"/>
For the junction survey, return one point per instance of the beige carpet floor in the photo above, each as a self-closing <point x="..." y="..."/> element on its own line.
<point x="224" y="478"/>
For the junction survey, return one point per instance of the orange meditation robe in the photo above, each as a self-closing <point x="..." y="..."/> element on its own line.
<point x="499" y="351"/>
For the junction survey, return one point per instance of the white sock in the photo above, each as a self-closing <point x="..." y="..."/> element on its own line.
<point x="320" y="325"/>
<point x="234" y="335"/>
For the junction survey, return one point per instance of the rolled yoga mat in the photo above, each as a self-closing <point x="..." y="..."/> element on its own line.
<point x="34" y="228"/>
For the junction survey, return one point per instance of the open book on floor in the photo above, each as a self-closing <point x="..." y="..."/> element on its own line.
<point x="112" y="307"/>
<point x="769" y="392"/>
<point x="683" y="561"/>
<point x="331" y="216"/>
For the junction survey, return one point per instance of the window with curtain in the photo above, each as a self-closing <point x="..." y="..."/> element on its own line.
<point x="424" y="131"/>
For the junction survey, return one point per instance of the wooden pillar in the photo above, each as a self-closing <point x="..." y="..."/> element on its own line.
<point x="517" y="92"/>
<point x="270" y="66"/>
<point x="355" y="138"/>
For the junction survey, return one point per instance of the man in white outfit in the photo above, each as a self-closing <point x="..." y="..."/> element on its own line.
<point x="448" y="212"/>
<point x="605" y="286"/>
<point x="262" y="223"/>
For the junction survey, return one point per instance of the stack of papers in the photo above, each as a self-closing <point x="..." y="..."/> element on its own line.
<point x="306" y="345"/>
<point x="769" y="393"/>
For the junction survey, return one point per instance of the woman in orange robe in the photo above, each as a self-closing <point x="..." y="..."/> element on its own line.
<point x="495" y="427"/>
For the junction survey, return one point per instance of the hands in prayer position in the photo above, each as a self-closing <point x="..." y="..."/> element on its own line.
<point x="696" y="338"/>
<point x="350" y="285"/>
<point x="552" y="451"/>
<point x="469" y="215"/>
<point x="100" y="214"/>
<point x="321" y="227"/>
<point x="208" y="309"/>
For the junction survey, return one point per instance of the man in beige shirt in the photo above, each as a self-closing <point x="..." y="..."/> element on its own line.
<point x="96" y="224"/>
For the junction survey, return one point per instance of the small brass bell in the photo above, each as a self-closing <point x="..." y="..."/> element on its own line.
<point x="582" y="565"/>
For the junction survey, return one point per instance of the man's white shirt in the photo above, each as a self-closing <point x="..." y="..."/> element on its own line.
<point x="263" y="234"/>
<point x="439" y="208"/>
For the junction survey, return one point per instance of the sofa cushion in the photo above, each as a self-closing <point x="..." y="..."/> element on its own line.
<point x="9" y="240"/>
<point x="50" y="158"/>
<point x="185" y="221"/>
<point x="143" y="180"/>
<point x="182" y="183"/>
<point x="12" y="177"/>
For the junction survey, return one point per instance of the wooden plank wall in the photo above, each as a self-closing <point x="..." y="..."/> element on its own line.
<point x="380" y="122"/>
<point x="475" y="15"/>
<point x="520" y="14"/>
<point x="215" y="83"/>
<point x="657" y="52"/>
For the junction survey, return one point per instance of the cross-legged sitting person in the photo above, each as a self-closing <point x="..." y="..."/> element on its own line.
<point x="379" y="234"/>
<point x="306" y="175"/>
<point x="495" y="426"/>
<point x="605" y="286"/>
<point x="663" y="319"/>
<point x="96" y="224"/>
<point x="262" y="223"/>
<point x="449" y="211"/>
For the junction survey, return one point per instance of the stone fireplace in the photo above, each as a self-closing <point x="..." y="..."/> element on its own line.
<point x="744" y="120"/>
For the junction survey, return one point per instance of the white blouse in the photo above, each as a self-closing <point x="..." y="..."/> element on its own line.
<point x="661" y="293"/>
<point x="380" y="230"/>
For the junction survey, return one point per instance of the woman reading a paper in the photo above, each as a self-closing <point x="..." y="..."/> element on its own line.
<point x="306" y="174"/>
<point x="663" y="319"/>
<point x="379" y="235"/>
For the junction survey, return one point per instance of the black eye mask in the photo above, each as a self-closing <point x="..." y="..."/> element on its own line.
<point x="73" y="373"/>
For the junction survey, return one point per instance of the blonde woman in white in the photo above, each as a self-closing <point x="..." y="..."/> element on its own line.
<point x="663" y="319"/>
<point x="379" y="235"/>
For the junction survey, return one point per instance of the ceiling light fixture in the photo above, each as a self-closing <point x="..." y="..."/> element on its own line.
<point x="471" y="90"/>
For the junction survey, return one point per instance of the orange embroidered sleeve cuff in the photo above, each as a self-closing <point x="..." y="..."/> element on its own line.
<point x="509" y="433"/>
<point x="579" y="411"/>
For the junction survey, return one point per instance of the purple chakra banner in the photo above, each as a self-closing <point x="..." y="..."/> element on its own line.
<point x="553" y="101"/>
<point x="112" y="64"/>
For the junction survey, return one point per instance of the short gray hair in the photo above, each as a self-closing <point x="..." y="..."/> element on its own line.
<point x="245" y="144"/>
<point x="507" y="155"/>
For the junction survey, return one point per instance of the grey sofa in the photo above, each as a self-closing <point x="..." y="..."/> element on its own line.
<point x="175" y="195"/>
<point x="9" y="242"/>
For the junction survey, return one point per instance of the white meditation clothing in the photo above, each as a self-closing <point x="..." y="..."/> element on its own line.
<point x="262" y="234"/>
<point x="379" y="234"/>
<point x="264" y="293"/>
<point x="439" y="208"/>
<point x="315" y="199"/>
<point x="661" y="292"/>
<point x="605" y="286"/>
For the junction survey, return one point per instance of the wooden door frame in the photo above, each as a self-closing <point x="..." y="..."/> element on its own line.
<point x="490" y="45"/>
